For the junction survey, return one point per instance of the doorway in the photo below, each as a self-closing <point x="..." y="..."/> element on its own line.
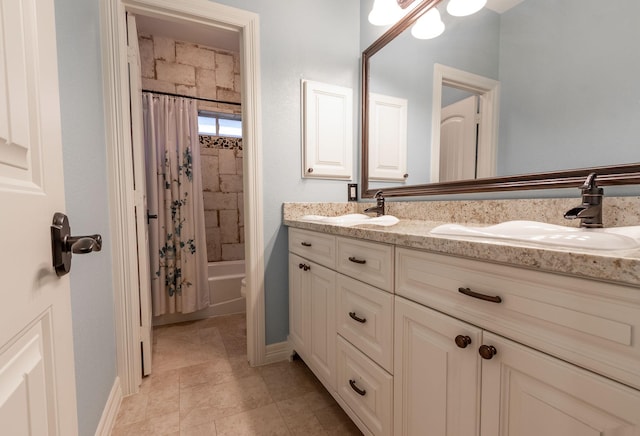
<point x="212" y="16"/>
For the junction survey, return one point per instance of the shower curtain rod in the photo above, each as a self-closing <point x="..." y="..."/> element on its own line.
<point x="194" y="98"/>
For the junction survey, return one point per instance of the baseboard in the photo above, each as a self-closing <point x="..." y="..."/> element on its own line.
<point x="277" y="352"/>
<point x="110" y="412"/>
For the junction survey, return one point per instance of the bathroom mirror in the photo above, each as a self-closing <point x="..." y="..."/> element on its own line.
<point x="567" y="100"/>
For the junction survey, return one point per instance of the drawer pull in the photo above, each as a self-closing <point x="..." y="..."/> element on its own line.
<point x="356" y="260"/>
<point x="487" y="351"/>
<point x="470" y="293"/>
<point x="306" y="244"/>
<point x="355" y="387"/>
<point x="463" y="341"/>
<point x="357" y="318"/>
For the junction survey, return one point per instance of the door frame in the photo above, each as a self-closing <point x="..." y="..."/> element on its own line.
<point x="489" y="92"/>
<point x="120" y="164"/>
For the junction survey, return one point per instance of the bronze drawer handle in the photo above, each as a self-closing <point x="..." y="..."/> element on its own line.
<point x="357" y="318"/>
<point x="470" y="293"/>
<point x="355" y="387"/>
<point x="306" y="244"/>
<point x="356" y="260"/>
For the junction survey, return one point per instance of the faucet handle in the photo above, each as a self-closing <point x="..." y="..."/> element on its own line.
<point x="590" y="187"/>
<point x="378" y="195"/>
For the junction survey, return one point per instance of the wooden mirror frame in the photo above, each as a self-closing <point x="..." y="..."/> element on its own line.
<point x="625" y="174"/>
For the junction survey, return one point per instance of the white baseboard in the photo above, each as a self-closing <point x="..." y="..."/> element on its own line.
<point x="277" y="352"/>
<point x="110" y="412"/>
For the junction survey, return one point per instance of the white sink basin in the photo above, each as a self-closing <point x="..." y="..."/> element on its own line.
<point x="613" y="238"/>
<point x="353" y="219"/>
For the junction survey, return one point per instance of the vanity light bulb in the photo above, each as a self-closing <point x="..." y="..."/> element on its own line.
<point x="385" y="12"/>
<point x="428" y="26"/>
<point x="462" y="8"/>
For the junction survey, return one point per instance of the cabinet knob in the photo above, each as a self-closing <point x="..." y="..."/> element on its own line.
<point x="487" y="351"/>
<point x="463" y="341"/>
<point x="301" y="265"/>
<point x="309" y="170"/>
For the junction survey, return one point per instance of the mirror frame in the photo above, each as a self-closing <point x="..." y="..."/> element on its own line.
<point x="624" y="174"/>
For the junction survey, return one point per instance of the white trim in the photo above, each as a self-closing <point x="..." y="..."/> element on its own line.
<point x="110" y="412"/>
<point x="488" y="90"/>
<point x="120" y="164"/>
<point x="278" y="352"/>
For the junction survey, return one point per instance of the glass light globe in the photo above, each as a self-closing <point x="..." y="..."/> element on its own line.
<point x="428" y="26"/>
<point x="385" y="12"/>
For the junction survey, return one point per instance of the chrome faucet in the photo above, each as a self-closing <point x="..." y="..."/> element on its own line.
<point x="379" y="209"/>
<point x="590" y="211"/>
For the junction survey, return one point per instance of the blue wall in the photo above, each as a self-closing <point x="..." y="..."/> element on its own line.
<point x="302" y="39"/>
<point x="84" y="154"/>
<point x="576" y="72"/>
<point x="317" y="40"/>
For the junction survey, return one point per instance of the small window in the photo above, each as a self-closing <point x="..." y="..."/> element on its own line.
<point x="219" y="124"/>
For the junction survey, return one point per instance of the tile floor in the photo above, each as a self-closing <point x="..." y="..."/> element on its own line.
<point x="202" y="385"/>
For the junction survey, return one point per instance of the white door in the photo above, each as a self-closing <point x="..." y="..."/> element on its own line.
<point x="322" y="299"/>
<point x="437" y="369"/>
<point x="528" y="393"/>
<point x="458" y="132"/>
<point x="139" y="182"/>
<point x="37" y="382"/>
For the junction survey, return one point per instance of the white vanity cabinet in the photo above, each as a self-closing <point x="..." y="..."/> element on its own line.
<point x="341" y="321"/>
<point x="533" y="383"/>
<point x="312" y="302"/>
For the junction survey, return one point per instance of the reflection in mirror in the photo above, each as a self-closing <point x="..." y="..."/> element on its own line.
<point x="566" y="73"/>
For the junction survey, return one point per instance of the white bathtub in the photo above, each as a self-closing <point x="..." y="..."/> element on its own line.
<point x="224" y="286"/>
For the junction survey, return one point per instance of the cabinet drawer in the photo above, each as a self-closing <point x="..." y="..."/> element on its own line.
<point x="318" y="247"/>
<point x="365" y="387"/>
<point x="369" y="262"/>
<point x="582" y="321"/>
<point x="365" y="318"/>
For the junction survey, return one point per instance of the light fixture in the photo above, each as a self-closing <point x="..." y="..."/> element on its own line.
<point x="385" y="12"/>
<point x="462" y="8"/>
<point x="428" y="26"/>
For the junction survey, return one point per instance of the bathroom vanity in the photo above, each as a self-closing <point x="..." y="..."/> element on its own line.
<point x="416" y="334"/>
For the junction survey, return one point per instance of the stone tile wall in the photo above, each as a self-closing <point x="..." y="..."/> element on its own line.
<point x="194" y="70"/>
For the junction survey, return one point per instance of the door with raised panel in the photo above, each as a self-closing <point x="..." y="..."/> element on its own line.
<point x="37" y="382"/>
<point x="322" y="298"/>
<point x="528" y="393"/>
<point x="312" y="316"/>
<point x="299" y="305"/>
<point x="436" y="373"/>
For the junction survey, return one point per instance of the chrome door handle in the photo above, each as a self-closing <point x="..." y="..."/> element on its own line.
<point x="63" y="245"/>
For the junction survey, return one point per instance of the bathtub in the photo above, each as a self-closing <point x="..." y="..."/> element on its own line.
<point x="224" y="287"/>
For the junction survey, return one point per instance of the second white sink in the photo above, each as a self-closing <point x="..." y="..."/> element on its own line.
<point x="613" y="238"/>
<point x="353" y="219"/>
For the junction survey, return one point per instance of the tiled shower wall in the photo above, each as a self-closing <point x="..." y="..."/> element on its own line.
<point x="194" y="70"/>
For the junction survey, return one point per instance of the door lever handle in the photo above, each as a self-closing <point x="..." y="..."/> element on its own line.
<point x="63" y="245"/>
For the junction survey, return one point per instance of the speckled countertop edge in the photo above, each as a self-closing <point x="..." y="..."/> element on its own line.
<point x="612" y="266"/>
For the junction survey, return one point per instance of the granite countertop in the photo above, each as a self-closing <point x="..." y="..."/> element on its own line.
<point x="613" y="266"/>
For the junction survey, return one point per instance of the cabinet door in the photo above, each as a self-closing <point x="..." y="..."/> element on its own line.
<point x="299" y="306"/>
<point x="528" y="393"/>
<point x="436" y="382"/>
<point x="322" y="310"/>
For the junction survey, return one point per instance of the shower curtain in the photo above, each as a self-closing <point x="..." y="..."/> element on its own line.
<point x="177" y="243"/>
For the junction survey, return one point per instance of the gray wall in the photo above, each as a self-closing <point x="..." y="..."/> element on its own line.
<point x="84" y="154"/>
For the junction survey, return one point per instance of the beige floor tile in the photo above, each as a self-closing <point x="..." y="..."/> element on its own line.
<point x="218" y="400"/>
<point x="258" y="422"/>
<point x="202" y="385"/>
